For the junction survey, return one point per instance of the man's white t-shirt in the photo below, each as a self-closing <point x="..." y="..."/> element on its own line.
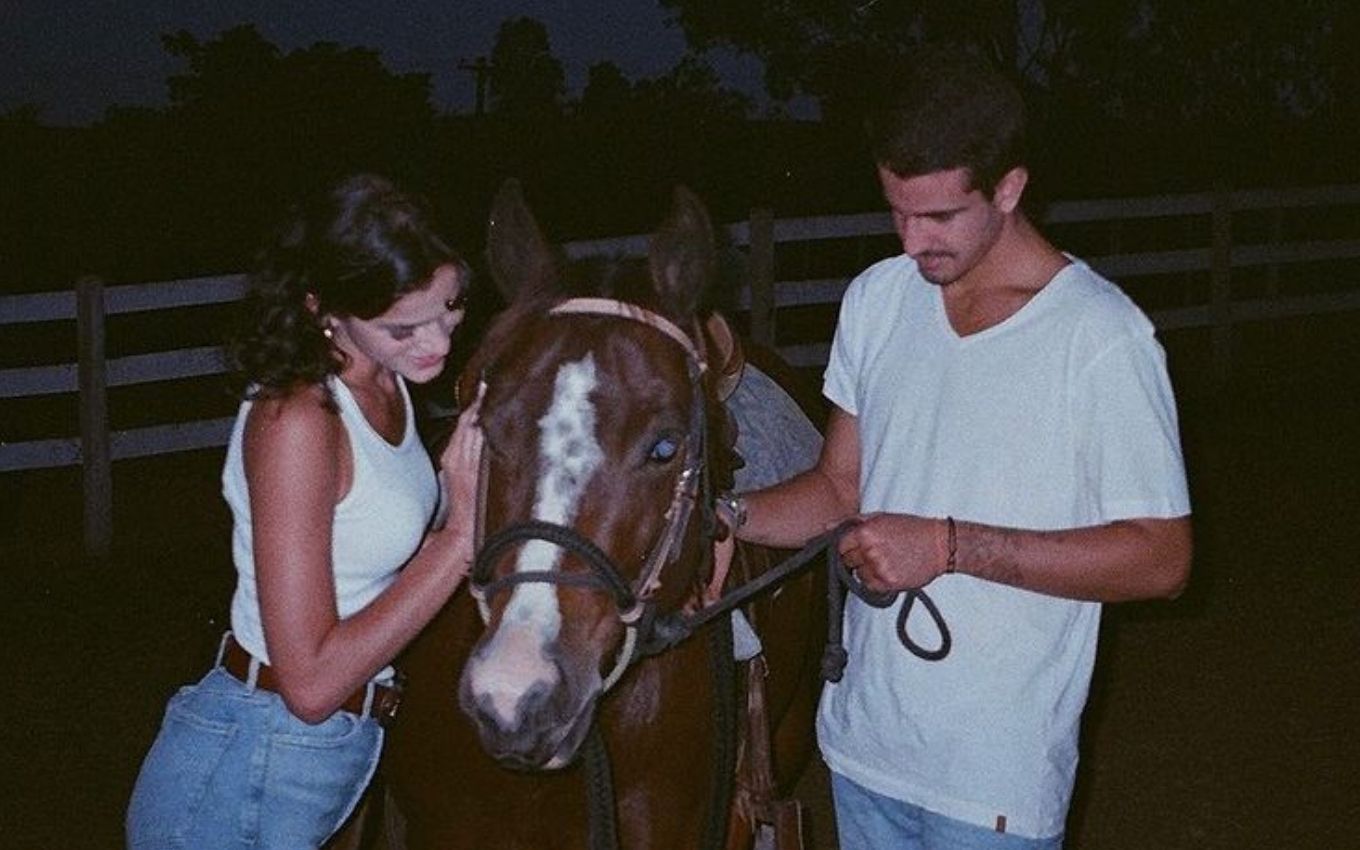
<point x="1059" y="417"/>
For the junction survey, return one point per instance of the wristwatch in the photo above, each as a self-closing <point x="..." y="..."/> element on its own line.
<point x="735" y="508"/>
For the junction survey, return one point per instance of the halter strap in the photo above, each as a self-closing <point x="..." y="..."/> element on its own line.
<point x="632" y="312"/>
<point x="687" y="486"/>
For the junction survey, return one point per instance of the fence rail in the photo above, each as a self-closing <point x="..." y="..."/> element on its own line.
<point x="768" y="288"/>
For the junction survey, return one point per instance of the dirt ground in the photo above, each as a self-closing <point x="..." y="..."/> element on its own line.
<point x="1219" y="720"/>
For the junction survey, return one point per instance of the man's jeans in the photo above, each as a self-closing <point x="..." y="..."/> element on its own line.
<point x="869" y="821"/>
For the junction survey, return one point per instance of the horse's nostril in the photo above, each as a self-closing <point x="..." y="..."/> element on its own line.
<point x="487" y="717"/>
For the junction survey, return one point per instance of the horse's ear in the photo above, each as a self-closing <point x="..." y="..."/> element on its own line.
<point x="521" y="261"/>
<point x="682" y="255"/>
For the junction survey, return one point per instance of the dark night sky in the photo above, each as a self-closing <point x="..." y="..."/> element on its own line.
<point x="76" y="57"/>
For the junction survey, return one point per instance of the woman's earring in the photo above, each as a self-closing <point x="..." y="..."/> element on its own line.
<point x="327" y="332"/>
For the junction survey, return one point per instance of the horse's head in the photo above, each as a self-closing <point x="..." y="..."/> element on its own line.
<point x="595" y="408"/>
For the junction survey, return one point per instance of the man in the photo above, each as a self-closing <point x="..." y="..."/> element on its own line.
<point x="1004" y="428"/>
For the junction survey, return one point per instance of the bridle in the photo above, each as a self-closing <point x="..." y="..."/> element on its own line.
<point x="634" y="598"/>
<point x="646" y="633"/>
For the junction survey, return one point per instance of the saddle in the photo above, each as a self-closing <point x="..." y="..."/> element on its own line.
<point x="761" y="820"/>
<point x="726" y="357"/>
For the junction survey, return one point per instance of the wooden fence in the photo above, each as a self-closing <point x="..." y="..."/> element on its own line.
<point x="1202" y="243"/>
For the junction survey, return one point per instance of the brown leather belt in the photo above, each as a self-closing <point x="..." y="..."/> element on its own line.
<point x="383" y="708"/>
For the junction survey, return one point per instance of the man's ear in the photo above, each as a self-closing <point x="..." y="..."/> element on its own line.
<point x="1010" y="188"/>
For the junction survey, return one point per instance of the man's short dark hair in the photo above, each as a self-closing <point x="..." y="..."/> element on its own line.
<point x="946" y="109"/>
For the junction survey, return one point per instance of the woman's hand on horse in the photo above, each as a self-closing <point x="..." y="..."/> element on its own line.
<point x="459" y="469"/>
<point x="891" y="552"/>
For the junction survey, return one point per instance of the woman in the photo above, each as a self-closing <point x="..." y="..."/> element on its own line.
<point x="339" y="561"/>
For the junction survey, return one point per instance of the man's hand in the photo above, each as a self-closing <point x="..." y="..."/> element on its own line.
<point x="891" y="552"/>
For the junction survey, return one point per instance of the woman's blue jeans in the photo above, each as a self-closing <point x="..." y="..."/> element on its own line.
<point x="233" y="768"/>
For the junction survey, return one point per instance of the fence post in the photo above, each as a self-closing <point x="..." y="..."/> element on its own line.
<point x="761" y="267"/>
<point x="1220" y="283"/>
<point x="95" y="459"/>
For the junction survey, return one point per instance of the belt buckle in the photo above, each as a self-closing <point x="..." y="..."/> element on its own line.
<point x="385" y="707"/>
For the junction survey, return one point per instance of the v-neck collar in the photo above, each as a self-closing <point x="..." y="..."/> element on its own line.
<point x="1029" y="308"/>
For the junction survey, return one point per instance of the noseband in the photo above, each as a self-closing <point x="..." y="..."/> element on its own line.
<point x="633" y="599"/>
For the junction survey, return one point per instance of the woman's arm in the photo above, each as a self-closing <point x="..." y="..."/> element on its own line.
<point x="298" y="467"/>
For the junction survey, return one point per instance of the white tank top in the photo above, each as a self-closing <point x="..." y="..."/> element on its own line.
<point x="378" y="525"/>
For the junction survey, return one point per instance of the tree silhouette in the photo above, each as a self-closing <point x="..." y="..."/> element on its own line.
<point x="323" y="109"/>
<point x="23" y="115"/>
<point x="607" y="92"/>
<point x="692" y="93"/>
<point x="1217" y="54"/>
<point x="1129" y="79"/>
<point x="234" y="67"/>
<point x="192" y="189"/>
<point x="526" y="80"/>
<point x="1129" y="96"/>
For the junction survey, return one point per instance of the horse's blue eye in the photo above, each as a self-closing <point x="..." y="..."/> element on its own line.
<point x="664" y="450"/>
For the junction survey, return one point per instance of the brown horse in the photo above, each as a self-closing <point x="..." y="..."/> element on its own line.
<point x="557" y="716"/>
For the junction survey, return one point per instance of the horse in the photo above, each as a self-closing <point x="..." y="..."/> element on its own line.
<point x="548" y="712"/>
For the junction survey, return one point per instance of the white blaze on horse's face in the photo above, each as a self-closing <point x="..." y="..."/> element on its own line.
<point x="517" y="658"/>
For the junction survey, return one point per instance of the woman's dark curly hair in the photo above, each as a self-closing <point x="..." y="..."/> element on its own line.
<point x="355" y="249"/>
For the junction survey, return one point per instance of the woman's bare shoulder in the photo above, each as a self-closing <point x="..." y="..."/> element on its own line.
<point x="298" y="415"/>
